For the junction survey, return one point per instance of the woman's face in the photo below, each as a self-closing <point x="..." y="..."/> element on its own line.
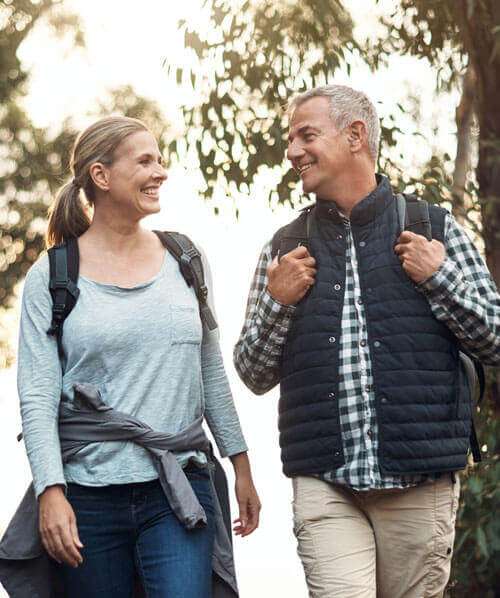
<point x="136" y="175"/>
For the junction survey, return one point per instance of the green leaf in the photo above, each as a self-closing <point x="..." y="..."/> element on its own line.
<point x="481" y="540"/>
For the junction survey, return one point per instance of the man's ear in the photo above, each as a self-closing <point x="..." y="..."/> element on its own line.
<point x="100" y="176"/>
<point x="357" y="136"/>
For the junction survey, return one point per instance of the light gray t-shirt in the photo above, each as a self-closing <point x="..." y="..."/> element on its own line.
<point x="146" y="351"/>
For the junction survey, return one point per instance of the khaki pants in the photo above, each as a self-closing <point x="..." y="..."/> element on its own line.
<point x="380" y="543"/>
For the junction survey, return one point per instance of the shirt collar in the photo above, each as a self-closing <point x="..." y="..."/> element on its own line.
<point x="365" y="211"/>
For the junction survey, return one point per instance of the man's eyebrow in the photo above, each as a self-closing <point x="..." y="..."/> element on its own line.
<point x="302" y="130"/>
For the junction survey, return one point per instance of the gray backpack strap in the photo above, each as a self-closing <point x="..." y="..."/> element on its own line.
<point x="189" y="259"/>
<point x="401" y="212"/>
<point x="413" y="215"/>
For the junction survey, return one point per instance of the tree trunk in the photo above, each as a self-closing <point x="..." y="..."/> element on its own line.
<point x="480" y="39"/>
<point x="464" y="118"/>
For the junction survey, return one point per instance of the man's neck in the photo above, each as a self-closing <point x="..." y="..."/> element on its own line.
<point x="351" y="191"/>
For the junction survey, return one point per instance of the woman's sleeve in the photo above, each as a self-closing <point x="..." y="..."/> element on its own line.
<point x="39" y="380"/>
<point x="220" y="411"/>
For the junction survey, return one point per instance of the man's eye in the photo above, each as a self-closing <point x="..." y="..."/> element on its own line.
<point x="309" y="136"/>
<point x="145" y="161"/>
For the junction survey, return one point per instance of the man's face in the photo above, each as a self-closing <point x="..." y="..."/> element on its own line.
<point x="317" y="151"/>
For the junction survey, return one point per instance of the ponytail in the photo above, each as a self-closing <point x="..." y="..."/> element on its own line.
<point x="68" y="217"/>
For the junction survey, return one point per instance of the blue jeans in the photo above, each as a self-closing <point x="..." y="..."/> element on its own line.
<point x="130" y="528"/>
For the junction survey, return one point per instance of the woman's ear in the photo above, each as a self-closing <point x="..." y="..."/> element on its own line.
<point x="100" y="176"/>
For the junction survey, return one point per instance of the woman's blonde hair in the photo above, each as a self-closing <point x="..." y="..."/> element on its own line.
<point x="68" y="215"/>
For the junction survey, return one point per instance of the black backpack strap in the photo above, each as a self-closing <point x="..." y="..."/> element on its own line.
<point x="189" y="259"/>
<point x="293" y="235"/>
<point x="414" y="214"/>
<point x="474" y="444"/>
<point x="64" y="264"/>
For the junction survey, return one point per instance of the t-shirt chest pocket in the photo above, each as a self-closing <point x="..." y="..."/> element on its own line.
<point x="186" y="325"/>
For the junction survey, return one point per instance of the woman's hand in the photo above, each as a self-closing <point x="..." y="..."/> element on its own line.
<point x="58" y="527"/>
<point x="246" y="495"/>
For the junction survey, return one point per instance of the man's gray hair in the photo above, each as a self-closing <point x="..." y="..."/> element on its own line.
<point x="346" y="106"/>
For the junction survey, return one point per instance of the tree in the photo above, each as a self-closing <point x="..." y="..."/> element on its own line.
<point x="31" y="157"/>
<point x="255" y="54"/>
<point x="35" y="161"/>
<point x="461" y="39"/>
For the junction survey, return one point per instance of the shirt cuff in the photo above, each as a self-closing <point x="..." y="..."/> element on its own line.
<point x="41" y="486"/>
<point x="273" y="312"/>
<point x="443" y="282"/>
<point x="233" y="448"/>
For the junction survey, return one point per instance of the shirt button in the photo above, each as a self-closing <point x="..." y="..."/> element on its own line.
<point x="331" y="395"/>
<point x="360" y="301"/>
<point x="331" y="339"/>
<point x="363" y="343"/>
<point x="362" y="243"/>
<point x="337" y="453"/>
<point x="376" y="344"/>
<point x="384" y="400"/>
<point x="337" y="287"/>
<point x="339" y="236"/>
<point x="367" y="388"/>
<point x="369" y="432"/>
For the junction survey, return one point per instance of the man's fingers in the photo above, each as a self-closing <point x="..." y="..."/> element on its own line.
<point x="406" y="236"/>
<point x="299" y="252"/>
<point x="309" y="261"/>
<point x="400" y="248"/>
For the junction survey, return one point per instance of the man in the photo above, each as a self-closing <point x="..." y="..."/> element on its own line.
<point x="362" y="330"/>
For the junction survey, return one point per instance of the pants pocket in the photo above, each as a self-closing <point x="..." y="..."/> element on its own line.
<point x="439" y="563"/>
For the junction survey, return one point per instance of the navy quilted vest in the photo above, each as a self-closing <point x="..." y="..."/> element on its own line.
<point x="424" y="423"/>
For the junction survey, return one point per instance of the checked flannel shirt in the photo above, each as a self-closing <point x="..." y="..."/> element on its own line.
<point x="461" y="294"/>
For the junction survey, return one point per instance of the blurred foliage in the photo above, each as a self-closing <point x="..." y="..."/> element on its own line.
<point x="476" y="560"/>
<point x="454" y="35"/>
<point x="124" y="101"/>
<point x="255" y="53"/>
<point x="35" y="161"/>
<point x="31" y="157"/>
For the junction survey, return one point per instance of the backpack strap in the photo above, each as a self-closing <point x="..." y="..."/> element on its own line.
<point x="413" y="215"/>
<point x="293" y="235"/>
<point x="189" y="259"/>
<point x="64" y="264"/>
<point x="474" y="444"/>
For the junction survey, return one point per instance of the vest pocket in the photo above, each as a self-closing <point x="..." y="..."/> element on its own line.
<point x="186" y="325"/>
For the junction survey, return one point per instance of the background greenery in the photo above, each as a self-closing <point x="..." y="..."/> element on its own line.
<point x="254" y="55"/>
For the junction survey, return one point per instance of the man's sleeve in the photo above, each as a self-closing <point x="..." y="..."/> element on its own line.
<point x="258" y="351"/>
<point x="463" y="295"/>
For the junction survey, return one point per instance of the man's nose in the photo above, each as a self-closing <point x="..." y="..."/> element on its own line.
<point x="294" y="151"/>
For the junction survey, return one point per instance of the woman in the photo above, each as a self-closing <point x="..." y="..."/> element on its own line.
<point x="134" y="334"/>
